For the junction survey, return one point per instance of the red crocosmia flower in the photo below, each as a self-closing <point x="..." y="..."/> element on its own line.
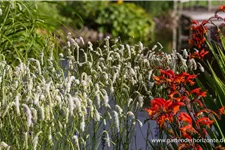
<point x="159" y="105"/>
<point x="202" y="94"/>
<point x="169" y="73"/>
<point x="204" y="121"/>
<point x="158" y="79"/>
<point x="194" y="22"/>
<point x="199" y="102"/>
<point x="198" y="93"/>
<point x="206" y="111"/>
<point x="185" y="117"/>
<point x="187" y="130"/>
<point x="162" y="110"/>
<point x="203" y="53"/>
<point x="198" y="147"/>
<point x="204" y="22"/>
<point x="171" y="95"/>
<point x="197" y="90"/>
<point x="190" y="78"/>
<point x="198" y="34"/>
<point x="222" y="8"/>
<point x="165" y="117"/>
<point x="221" y="110"/>
<point x="192" y="146"/>
<point x="179" y="79"/>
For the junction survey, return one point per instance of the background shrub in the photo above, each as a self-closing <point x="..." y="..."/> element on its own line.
<point x="127" y="20"/>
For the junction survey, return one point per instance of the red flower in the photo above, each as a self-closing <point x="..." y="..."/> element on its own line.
<point x="187" y="130"/>
<point x="199" y="55"/>
<point x="203" y="53"/>
<point x="198" y="93"/>
<point x="169" y="73"/>
<point x="185" y="117"/>
<point x="197" y="90"/>
<point x="198" y="34"/>
<point x="199" y="102"/>
<point x="222" y="8"/>
<point x="221" y="110"/>
<point x="198" y="147"/>
<point x="190" y="78"/>
<point x="162" y="110"/>
<point x="204" y="121"/>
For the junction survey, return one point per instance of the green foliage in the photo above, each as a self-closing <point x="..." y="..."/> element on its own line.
<point x="23" y="32"/>
<point x="126" y="20"/>
<point x="81" y="11"/>
<point x="155" y="8"/>
<point x="215" y="79"/>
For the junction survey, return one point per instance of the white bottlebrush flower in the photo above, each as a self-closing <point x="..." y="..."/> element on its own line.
<point x="30" y="85"/>
<point x="48" y="112"/>
<point x="58" y="99"/>
<point x="106" y="138"/>
<point x="71" y="104"/>
<point x="185" y="54"/>
<point x="82" y="40"/>
<point x="105" y="97"/>
<point x="67" y="112"/>
<point x="61" y="55"/>
<point x="39" y="66"/>
<point x="29" y="115"/>
<point x="119" y="109"/>
<point x="47" y="88"/>
<point x="36" y="99"/>
<point x="69" y="83"/>
<point x="35" y="140"/>
<point x="42" y="112"/>
<point x="115" y="76"/>
<point x="97" y="97"/>
<point x="130" y="100"/>
<point x="201" y="67"/>
<point x="141" y="48"/>
<point x="17" y="103"/>
<point x="77" y="103"/>
<point x="76" y="141"/>
<point x="192" y="64"/>
<point x="140" y="123"/>
<point x="183" y="61"/>
<point x="0" y="12"/>
<point x="140" y="101"/>
<point x="3" y="145"/>
<point x="116" y="119"/>
<point x="82" y="124"/>
<point x="161" y="47"/>
<point x="34" y="114"/>
<point x="42" y="97"/>
<point x="97" y="116"/>
<point x="50" y="136"/>
<point x="130" y="114"/>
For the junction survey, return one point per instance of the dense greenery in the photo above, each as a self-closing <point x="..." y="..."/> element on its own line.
<point x="126" y="21"/>
<point x="24" y="33"/>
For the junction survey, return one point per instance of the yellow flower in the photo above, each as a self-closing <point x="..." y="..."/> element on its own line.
<point x="119" y="1"/>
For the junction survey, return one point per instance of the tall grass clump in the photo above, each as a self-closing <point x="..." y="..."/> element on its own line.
<point x="24" y="32"/>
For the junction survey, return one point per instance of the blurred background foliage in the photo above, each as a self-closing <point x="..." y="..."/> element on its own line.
<point x="155" y="8"/>
<point x="132" y="20"/>
<point x="127" y="20"/>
